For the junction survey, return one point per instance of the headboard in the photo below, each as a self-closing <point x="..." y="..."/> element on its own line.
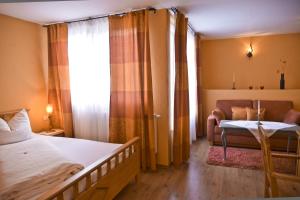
<point x="9" y="114"/>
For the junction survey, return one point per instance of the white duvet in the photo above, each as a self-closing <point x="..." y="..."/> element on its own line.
<point x="80" y="151"/>
<point x="31" y="167"/>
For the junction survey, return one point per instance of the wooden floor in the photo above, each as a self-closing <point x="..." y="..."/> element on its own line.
<point x="197" y="180"/>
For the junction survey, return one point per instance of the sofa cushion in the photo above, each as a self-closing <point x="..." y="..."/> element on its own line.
<point x="292" y="117"/>
<point x="275" y="110"/>
<point x="225" y="106"/>
<point x="252" y="114"/>
<point x="239" y="113"/>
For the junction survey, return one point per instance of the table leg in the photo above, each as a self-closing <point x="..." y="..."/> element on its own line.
<point x="224" y="142"/>
<point x="288" y="144"/>
<point x="298" y="162"/>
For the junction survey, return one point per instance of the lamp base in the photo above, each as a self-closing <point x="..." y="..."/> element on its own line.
<point x="50" y="123"/>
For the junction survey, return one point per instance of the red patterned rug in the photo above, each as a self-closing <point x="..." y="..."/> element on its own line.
<point x="247" y="159"/>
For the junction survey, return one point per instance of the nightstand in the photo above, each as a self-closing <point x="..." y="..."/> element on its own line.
<point x="53" y="132"/>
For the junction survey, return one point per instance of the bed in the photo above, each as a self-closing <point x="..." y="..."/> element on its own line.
<point x="108" y="167"/>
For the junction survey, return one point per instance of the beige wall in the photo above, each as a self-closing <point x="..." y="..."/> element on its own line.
<point x="158" y="27"/>
<point x="22" y="60"/>
<point x="221" y="58"/>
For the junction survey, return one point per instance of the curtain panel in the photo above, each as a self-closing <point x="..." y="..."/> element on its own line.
<point x="88" y="47"/>
<point x="192" y="81"/>
<point x="181" y="138"/>
<point x="58" y="77"/>
<point x="131" y="102"/>
<point x="200" y="131"/>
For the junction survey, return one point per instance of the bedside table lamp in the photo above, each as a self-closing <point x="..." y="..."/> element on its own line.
<point x="49" y="110"/>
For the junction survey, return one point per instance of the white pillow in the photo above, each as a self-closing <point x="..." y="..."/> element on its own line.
<point x="9" y="137"/>
<point x="3" y="125"/>
<point x="20" y="121"/>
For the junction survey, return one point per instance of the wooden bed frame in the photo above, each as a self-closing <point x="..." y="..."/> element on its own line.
<point x="9" y="114"/>
<point x="122" y="166"/>
<point x="109" y="185"/>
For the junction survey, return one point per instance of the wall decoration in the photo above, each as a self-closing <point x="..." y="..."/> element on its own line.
<point x="250" y="51"/>
<point x="282" y="71"/>
<point x="233" y="81"/>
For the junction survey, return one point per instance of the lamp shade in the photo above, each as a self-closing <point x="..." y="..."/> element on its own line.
<point x="250" y="51"/>
<point x="49" y="109"/>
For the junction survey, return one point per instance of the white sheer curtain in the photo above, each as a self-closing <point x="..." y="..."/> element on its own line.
<point x="191" y="60"/>
<point x="88" y="46"/>
<point x="171" y="77"/>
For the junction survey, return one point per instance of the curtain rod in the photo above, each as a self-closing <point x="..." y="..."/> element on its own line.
<point x="175" y="10"/>
<point x="101" y="16"/>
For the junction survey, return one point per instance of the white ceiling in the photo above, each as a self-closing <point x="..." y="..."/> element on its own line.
<point x="212" y="18"/>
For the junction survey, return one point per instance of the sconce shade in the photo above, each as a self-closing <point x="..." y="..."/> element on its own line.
<point x="49" y="109"/>
<point x="249" y="54"/>
<point x="250" y="51"/>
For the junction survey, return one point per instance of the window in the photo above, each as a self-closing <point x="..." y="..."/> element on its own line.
<point x="172" y="69"/>
<point x="89" y="65"/>
<point x="171" y="78"/>
<point x="192" y="78"/>
<point x="192" y="81"/>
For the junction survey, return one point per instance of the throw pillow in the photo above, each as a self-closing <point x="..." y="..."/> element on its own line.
<point x="252" y="114"/>
<point x="292" y="117"/>
<point x="20" y="121"/>
<point x="3" y="125"/>
<point x="239" y="113"/>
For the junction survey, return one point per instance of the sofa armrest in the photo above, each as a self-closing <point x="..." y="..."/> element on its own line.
<point x="218" y="114"/>
<point x="292" y="117"/>
<point x="211" y="123"/>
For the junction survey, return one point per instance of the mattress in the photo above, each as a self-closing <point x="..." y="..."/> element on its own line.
<point x="84" y="152"/>
<point x="80" y="151"/>
<point x="76" y="151"/>
<point x="31" y="167"/>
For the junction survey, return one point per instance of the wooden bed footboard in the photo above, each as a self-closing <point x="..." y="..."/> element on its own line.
<point x="103" y="179"/>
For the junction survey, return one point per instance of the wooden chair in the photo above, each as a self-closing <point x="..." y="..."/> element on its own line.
<point x="272" y="178"/>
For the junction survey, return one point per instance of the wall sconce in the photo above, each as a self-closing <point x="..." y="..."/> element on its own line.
<point x="250" y="51"/>
<point x="49" y="110"/>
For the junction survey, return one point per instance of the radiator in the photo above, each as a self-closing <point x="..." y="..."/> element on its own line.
<point x="156" y="118"/>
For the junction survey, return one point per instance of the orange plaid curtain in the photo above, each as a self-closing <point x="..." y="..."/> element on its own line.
<point x="200" y="131"/>
<point x="58" y="76"/>
<point x="131" y="103"/>
<point x="181" y="138"/>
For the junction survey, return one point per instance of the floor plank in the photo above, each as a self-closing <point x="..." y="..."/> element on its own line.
<point x="196" y="180"/>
